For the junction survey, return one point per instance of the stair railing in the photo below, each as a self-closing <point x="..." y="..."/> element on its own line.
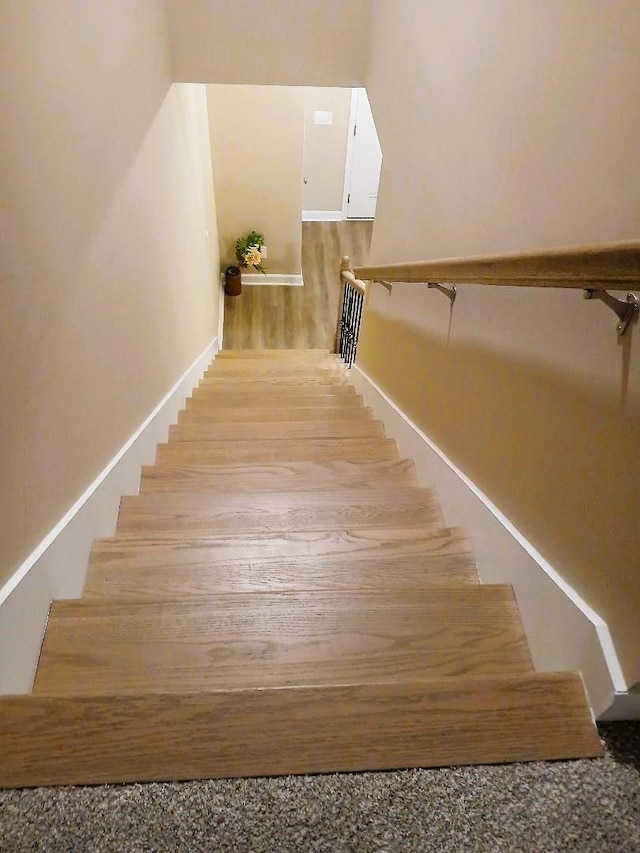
<point x="596" y="269"/>
<point x="350" y="304"/>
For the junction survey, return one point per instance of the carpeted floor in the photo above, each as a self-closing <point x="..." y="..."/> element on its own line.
<point x="585" y="806"/>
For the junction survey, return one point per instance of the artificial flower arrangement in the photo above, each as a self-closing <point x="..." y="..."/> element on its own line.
<point x="248" y="250"/>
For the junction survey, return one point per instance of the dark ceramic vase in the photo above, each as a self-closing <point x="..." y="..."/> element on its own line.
<point x="233" y="281"/>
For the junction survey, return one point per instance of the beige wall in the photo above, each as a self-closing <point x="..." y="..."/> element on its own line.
<point x="274" y="42"/>
<point x="325" y="148"/>
<point x="256" y="148"/>
<point x="520" y="129"/>
<point x="109" y="286"/>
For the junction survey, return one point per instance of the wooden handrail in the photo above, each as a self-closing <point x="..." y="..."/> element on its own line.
<point x="605" y="266"/>
<point x="347" y="275"/>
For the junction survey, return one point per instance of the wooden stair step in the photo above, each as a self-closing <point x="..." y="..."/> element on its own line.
<point x="243" y="640"/>
<point x="209" y="512"/>
<point x="300" y="398"/>
<point x="327" y="384"/>
<point x="278" y="450"/>
<point x="262" y="367"/>
<point x="282" y="430"/>
<point x="156" y="737"/>
<point x="283" y="354"/>
<point x="127" y="582"/>
<point x="278" y="477"/>
<point x="178" y="551"/>
<point x="270" y="414"/>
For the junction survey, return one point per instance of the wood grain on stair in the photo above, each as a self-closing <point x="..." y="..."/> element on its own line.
<point x="209" y="512"/>
<point x="280" y="354"/>
<point x="238" y="640"/>
<point x="177" y="551"/>
<point x="329" y="384"/>
<point x="291" y="450"/>
<point x="155" y="582"/>
<point x="263" y="368"/>
<point x="283" y="401"/>
<point x="271" y="414"/>
<point x="278" y="477"/>
<point x="284" y="430"/>
<point x="282" y="598"/>
<point x="465" y="720"/>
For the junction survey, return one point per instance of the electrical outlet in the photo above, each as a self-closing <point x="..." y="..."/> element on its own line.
<point x="263" y="252"/>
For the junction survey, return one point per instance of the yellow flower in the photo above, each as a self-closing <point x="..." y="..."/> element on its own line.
<point x="252" y="256"/>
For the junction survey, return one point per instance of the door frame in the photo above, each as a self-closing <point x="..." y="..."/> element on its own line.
<point x="348" y="166"/>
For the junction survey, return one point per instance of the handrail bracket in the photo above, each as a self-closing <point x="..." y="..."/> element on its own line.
<point x="625" y="310"/>
<point x="449" y="292"/>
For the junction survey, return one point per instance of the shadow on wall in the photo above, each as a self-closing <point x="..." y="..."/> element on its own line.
<point x="560" y="462"/>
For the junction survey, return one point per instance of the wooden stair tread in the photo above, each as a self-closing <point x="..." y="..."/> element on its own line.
<point x="243" y="640"/>
<point x="364" y="428"/>
<point x="282" y="598"/>
<point x="287" y="400"/>
<point x="179" y="550"/>
<point x="154" y="737"/>
<point x="259" y="368"/>
<point x="328" y="384"/>
<point x="270" y="414"/>
<point x="281" y="477"/>
<point x="278" y="511"/>
<point x="308" y="354"/>
<point x="165" y="580"/>
<point x="279" y="450"/>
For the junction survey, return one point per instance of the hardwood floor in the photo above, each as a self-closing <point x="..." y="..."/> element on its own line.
<point x="272" y="317"/>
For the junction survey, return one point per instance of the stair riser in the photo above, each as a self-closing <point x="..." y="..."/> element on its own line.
<point x="49" y="741"/>
<point x="280" y="639"/>
<point x="269" y="414"/>
<point x="295" y="384"/>
<point x="294" y="450"/>
<point x="283" y="401"/>
<point x="262" y="367"/>
<point x="283" y="355"/>
<point x="380" y="575"/>
<point x="297" y="477"/>
<point x="243" y="514"/>
<point x="163" y="551"/>
<point x="266" y="431"/>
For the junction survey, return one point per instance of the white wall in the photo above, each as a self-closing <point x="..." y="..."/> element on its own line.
<point x="511" y="126"/>
<point x="256" y="148"/>
<point x="274" y="42"/>
<point x="109" y="282"/>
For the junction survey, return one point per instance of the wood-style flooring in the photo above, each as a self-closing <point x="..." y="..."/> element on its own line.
<point x="283" y="597"/>
<point x="273" y="317"/>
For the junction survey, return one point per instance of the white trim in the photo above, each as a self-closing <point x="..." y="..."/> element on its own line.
<point x="348" y="165"/>
<point x="272" y="278"/>
<point x="55" y="568"/>
<point x="322" y="215"/>
<point x="597" y="684"/>
<point x="221" y="315"/>
<point x="624" y="706"/>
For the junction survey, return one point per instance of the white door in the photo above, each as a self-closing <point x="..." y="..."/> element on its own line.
<point x="364" y="161"/>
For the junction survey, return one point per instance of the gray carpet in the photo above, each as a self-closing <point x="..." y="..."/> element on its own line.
<point x="546" y="806"/>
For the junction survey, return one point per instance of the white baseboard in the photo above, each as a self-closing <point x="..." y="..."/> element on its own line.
<point x="322" y="216"/>
<point x="624" y="706"/>
<point x="272" y="278"/>
<point x="57" y="567"/>
<point x="564" y="632"/>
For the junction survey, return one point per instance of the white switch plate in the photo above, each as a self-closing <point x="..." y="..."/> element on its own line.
<point x="263" y="251"/>
<point x="322" y="117"/>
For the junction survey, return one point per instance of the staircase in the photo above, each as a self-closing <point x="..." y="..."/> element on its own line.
<point x="282" y="597"/>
